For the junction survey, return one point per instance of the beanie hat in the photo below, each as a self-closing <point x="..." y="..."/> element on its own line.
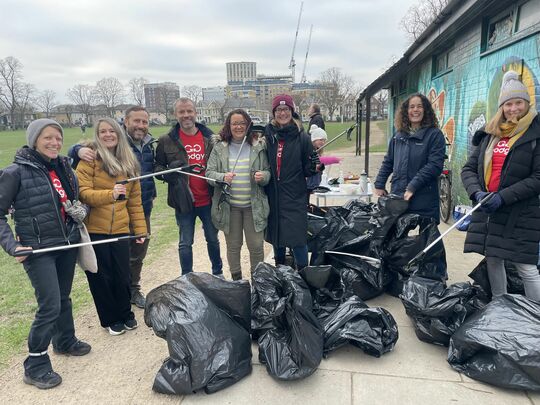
<point x="512" y="87"/>
<point x="282" y="99"/>
<point x="34" y="130"/>
<point x="317" y="133"/>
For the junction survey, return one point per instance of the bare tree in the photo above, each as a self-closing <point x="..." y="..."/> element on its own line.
<point x="193" y="92"/>
<point x="336" y="88"/>
<point x="420" y="16"/>
<point x="136" y="88"/>
<point x="381" y="100"/>
<point x="25" y="96"/>
<point x="110" y="92"/>
<point x="300" y="101"/>
<point x="84" y="97"/>
<point x="10" y="82"/>
<point x="46" y="100"/>
<point x="68" y="110"/>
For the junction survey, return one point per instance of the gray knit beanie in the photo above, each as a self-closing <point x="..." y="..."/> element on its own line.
<point x="512" y="87"/>
<point x="35" y="128"/>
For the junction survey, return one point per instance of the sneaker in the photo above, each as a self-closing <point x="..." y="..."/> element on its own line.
<point x="116" y="329"/>
<point x="49" y="380"/>
<point x="79" y="348"/>
<point x="131" y="324"/>
<point x="138" y="299"/>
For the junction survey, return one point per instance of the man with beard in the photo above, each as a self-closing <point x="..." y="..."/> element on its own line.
<point x="189" y="142"/>
<point x="136" y="123"/>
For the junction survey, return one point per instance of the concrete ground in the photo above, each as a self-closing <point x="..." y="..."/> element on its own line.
<point x="121" y="369"/>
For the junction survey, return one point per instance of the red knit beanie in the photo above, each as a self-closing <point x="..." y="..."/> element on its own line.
<point x="282" y="99"/>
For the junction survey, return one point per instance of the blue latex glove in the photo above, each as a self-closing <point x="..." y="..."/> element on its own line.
<point x="492" y="204"/>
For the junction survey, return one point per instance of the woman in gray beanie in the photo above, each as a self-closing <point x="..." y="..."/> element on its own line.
<point x="43" y="191"/>
<point x="506" y="164"/>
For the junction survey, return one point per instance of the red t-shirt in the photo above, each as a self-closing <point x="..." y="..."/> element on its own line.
<point x="57" y="184"/>
<point x="281" y="144"/>
<point x="194" y="145"/>
<point x="499" y="155"/>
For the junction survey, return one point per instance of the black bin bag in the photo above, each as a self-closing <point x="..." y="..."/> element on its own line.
<point x="437" y="312"/>
<point x="290" y="337"/>
<point x="500" y="344"/>
<point x="206" y="323"/>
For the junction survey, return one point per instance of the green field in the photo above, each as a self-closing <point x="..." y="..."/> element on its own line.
<point x="17" y="302"/>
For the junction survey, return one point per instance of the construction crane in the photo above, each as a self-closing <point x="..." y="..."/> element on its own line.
<point x="303" y="80"/>
<point x="292" y="63"/>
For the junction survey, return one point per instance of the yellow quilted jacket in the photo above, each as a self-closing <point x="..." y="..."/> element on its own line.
<point x="108" y="216"/>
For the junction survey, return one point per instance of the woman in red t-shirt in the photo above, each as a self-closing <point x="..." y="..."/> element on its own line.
<point x="506" y="163"/>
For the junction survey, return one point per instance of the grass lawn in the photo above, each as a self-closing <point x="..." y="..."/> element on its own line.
<point x="17" y="302"/>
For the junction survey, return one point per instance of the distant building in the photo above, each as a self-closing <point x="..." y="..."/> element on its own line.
<point x="159" y="97"/>
<point x="240" y="72"/>
<point x="216" y="93"/>
<point x="263" y="89"/>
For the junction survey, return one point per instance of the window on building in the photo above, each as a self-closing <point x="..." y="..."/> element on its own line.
<point x="523" y="18"/>
<point x="444" y="61"/>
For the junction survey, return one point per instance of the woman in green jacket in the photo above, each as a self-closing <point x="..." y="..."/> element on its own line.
<point x="239" y="159"/>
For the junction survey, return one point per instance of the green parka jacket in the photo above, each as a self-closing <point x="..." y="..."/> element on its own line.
<point x="218" y="165"/>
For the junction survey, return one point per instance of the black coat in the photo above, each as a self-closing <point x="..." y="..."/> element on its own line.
<point x="415" y="162"/>
<point x="287" y="193"/>
<point x="316" y="119"/>
<point x="26" y="186"/>
<point x="513" y="231"/>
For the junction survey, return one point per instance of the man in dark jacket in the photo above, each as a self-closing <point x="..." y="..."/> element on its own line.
<point x="136" y="124"/>
<point x="187" y="143"/>
<point x="292" y="159"/>
<point x="315" y="117"/>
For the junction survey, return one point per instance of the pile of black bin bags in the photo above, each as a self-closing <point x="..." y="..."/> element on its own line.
<point x="297" y="318"/>
<point x="206" y="322"/>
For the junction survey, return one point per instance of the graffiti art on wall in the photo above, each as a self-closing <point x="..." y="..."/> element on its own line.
<point x="447" y="125"/>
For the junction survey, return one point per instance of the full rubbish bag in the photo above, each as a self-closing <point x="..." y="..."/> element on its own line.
<point x="438" y="311"/>
<point x="345" y="318"/>
<point x="403" y="245"/>
<point x="290" y="337"/>
<point x="206" y="323"/>
<point x="500" y="344"/>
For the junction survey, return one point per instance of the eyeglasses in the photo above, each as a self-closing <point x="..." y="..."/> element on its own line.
<point x="238" y="124"/>
<point x="283" y="109"/>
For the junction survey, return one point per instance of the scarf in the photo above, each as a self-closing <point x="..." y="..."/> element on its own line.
<point x="512" y="130"/>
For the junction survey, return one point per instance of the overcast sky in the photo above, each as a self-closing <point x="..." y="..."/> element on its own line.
<point x="63" y="43"/>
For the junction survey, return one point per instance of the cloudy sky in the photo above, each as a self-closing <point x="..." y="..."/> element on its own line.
<point x="67" y="42"/>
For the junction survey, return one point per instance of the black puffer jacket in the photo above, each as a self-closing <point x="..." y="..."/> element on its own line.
<point x="287" y="193"/>
<point x="26" y="186"/>
<point x="513" y="231"/>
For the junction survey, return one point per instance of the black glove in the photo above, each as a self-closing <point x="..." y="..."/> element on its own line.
<point x="479" y="195"/>
<point x="315" y="160"/>
<point x="492" y="204"/>
<point x="174" y="176"/>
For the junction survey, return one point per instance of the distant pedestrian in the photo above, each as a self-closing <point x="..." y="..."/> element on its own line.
<point x="83" y="128"/>
<point x="315" y="117"/>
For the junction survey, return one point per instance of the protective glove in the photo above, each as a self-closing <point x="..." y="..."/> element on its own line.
<point x="479" y="195"/>
<point x="174" y="176"/>
<point x="492" y="204"/>
<point x="315" y="160"/>
<point x="76" y="210"/>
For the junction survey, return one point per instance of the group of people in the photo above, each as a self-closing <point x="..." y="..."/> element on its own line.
<point x="246" y="184"/>
<point x="250" y="183"/>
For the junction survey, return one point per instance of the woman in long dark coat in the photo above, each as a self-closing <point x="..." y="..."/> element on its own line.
<point x="291" y="158"/>
<point x="506" y="163"/>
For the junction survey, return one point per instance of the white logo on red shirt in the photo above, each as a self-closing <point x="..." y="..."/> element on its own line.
<point x="502" y="147"/>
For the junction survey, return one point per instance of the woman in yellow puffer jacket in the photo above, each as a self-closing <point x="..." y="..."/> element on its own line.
<point x="112" y="215"/>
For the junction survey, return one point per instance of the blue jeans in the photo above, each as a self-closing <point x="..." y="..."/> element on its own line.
<point x="186" y="224"/>
<point x="300" y="254"/>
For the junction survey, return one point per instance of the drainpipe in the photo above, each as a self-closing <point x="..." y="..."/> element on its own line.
<point x="368" y="121"/>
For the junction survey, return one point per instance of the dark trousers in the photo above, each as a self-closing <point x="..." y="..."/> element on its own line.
<point x="51" y="275"/>
<point x="186" y="226"/>
<point x="300" y="254"/>
<point x="137" y="253"/>
<point x="111" y="285"/>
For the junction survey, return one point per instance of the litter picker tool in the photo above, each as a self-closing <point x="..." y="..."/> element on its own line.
<point x="347" y="131"/>
<point x="456" y="224"/>
<point x="241" y="146"/>
<point x="27" y="252"/>
<point x="366" y="258"/>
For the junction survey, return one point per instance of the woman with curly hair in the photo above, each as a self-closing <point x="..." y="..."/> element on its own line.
<point x="415" y="157"/>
